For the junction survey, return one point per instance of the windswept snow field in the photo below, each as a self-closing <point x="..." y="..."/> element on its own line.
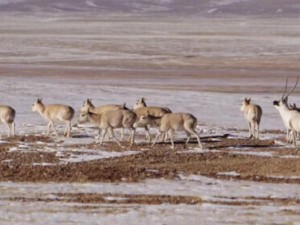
<point x="202" y="66"/>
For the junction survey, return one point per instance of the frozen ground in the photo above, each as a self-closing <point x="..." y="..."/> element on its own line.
<point x="232" y="55"/>
<point x="213" y="109"/>
<point x="206" y="67"/>
<point x="217" y="196"/>
<point x="245" y="202"/>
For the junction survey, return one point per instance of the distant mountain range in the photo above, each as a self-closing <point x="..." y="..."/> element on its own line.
<point x="167" y="7"/>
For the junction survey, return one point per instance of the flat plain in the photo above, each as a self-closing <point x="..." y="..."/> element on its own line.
<point x="205" y="66"/>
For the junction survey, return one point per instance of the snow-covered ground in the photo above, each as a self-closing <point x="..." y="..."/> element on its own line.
<point x="215" y="110"/>
<point x="257" y="210"/>
<point x="216" y="113"/>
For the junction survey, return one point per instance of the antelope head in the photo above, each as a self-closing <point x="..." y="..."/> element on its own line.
<point x="83" y="117"/>
<point x="140" y="103"/>
<point x="283" y="102"/>
<point x="245" y="103"/>
<point x="87" y="105"/>
<point x="37" y="105"/>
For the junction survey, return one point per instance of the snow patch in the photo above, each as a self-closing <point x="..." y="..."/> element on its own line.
<point x="226" y="2"/>
<point x="231" y="173"/>
<point x="209" y="189"/>
<point x="99" y="155"/>
<point x="212" y="10"/>
<point x="91" y="3"/>
<point x="260" y="154"/>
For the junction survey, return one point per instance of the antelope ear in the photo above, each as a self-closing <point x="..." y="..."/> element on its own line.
<point x="39" y="100"/>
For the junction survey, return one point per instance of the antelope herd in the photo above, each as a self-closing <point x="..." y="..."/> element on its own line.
<point x="109" y="117"/>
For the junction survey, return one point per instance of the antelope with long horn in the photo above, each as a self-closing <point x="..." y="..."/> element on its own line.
<point x="290" y="117"/>
<point x="252" y="113"/>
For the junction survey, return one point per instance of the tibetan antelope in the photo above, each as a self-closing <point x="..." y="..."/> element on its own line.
<point x="252" y="114"/>
<point x="88" y="106"/>
<point x="290" y="116"/>
<point x="109" y="120"/>
<point x="141" y="109"/>
<point x="7" y="116"/>
<point x="171" y="122"/>
<point x="55" y="112"/>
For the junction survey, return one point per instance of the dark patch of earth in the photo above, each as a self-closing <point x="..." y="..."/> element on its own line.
<point x="159" y="162"/>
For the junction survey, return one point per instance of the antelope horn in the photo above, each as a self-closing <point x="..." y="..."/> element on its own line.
<point x="286" y="82"/>
<point x="293" y="88"/>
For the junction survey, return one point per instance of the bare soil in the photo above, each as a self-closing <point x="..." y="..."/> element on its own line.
<point x="143" y="199"/>
<point x="118" y="199"/>
<point x="159" y="162"/>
